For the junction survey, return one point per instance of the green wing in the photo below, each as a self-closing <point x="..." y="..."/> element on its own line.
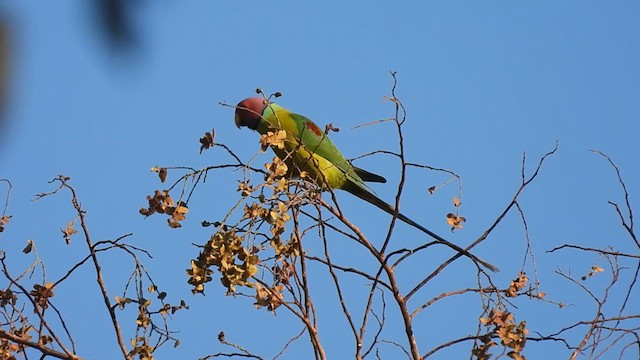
<point x="317" y="142"/>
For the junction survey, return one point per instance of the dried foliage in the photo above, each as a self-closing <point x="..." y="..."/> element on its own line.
<point x="33" y="324"/>
<point x="259" y="250"/>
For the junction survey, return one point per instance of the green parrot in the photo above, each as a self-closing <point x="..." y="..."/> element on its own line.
<point x="308" y="148"/>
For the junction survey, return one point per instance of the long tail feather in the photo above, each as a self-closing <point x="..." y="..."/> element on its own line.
<point x="374" y="200"/>
<point x="368" y="176"/>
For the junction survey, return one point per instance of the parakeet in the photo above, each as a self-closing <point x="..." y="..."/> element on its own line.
<point x="308" y="149"/>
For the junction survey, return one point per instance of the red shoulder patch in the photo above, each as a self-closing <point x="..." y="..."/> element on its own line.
<point x="313" y="127"/>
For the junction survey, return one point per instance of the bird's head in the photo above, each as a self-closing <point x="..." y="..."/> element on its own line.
<point x="249" y="112"/>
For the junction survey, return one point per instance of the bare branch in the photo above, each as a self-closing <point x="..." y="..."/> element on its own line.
<point x="596" y="250"/>
<point x="34" y="345"/>
<point x="626" y="222"/>
<point x="94" y="258"/>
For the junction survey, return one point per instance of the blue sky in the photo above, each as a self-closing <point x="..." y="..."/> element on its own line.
<point x="482" y="83"/>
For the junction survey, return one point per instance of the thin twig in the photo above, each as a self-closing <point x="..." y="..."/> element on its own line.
<point x="94" y="258"/>
<point x="35" y="345"/>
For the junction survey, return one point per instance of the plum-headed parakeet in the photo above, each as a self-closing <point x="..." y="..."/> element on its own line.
<point x="308" y="148"/>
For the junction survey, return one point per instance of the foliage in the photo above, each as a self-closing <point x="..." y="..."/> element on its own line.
<point x="32" y="320"/>
<point x="259" y="250"/>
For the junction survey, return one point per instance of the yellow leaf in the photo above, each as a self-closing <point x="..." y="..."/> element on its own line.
<point x="273" y="139"/>
<point x="277" y="167"/>
<point x="282" y="184"/>
<point x="182" y="208"/>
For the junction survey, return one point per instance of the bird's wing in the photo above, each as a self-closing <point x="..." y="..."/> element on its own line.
<point x="318" y="143"/>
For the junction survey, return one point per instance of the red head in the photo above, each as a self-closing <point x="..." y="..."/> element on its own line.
<point x="249" y="112"/>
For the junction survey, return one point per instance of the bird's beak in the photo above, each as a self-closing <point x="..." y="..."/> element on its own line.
<point x="238" y="120"/>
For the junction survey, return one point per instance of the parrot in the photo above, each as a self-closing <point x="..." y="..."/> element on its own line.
<point x="307" y="148"/>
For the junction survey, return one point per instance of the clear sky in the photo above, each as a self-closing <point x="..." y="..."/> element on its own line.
<point x="482" y="82"/>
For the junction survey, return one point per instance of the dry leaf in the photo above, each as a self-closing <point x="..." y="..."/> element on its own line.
<point x="330" y="127"/>
<point x="173" y="224"/>
<point x="162" y="174"/>
<point x="277" y="167"/>
<point x="207" y="140"/>
<point x="182" y="208"/>
<point x="3" y="221"/>
<point x="275" y="139"/>
<point x="68" y="231"/>
<point x="29" y="247"/>
<point x="455" y="221"/>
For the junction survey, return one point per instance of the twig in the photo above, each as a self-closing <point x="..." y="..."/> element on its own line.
<point x="94" y="258"/>
<point x="349" y="270"/>
<point x="36" y="308"/>
<point x="6" y="201"/>
<point x="596" y="250"/>
<point x="451" y="293"/>
<point x="34" y="345"/>
<point x="525" y="182"/>
<point x="628" y="226"/>
<point x="449" y="343"/>
<point x="381" y="323"/>
<point x="336" y="282"/>
<point x="289" y="343"/>
<point x="307" y="309"/>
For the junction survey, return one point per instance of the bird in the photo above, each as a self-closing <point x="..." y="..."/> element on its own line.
<point x="307" y="148"/>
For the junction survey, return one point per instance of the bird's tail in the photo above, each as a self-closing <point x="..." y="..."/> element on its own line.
<point x="381" y="204"/>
